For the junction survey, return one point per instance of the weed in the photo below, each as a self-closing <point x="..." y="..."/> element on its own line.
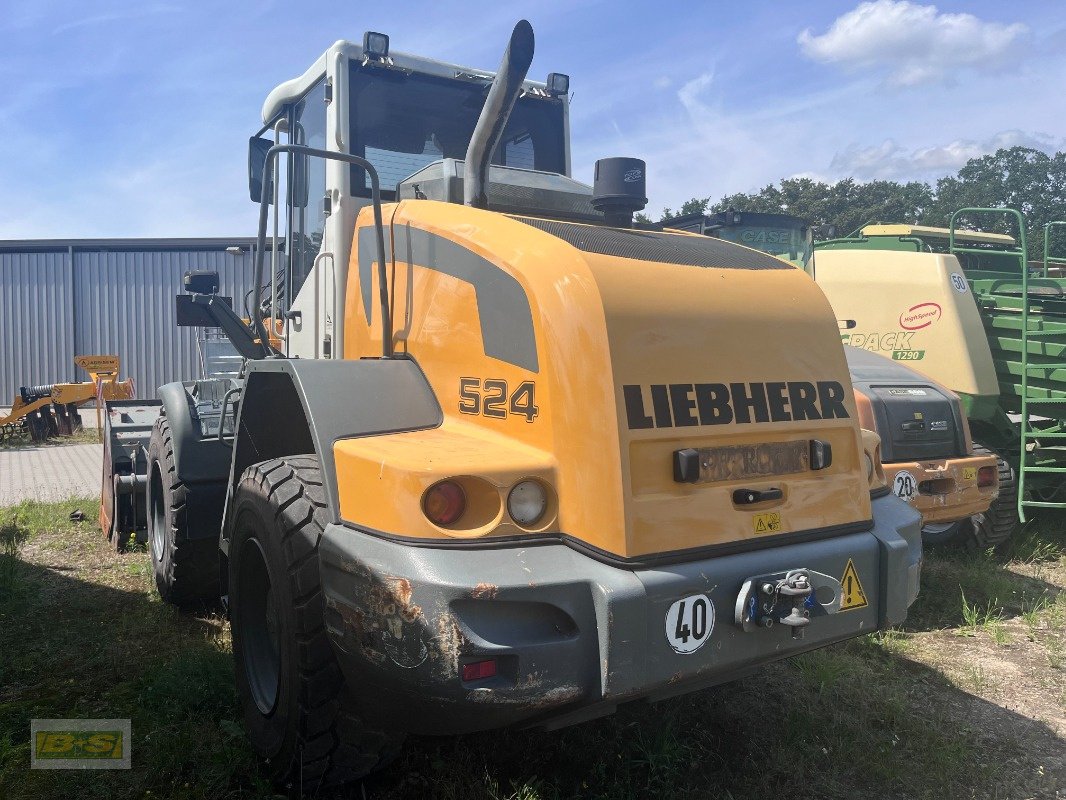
<point x="1053" y="652"/>
<point x="976" y="674"/>
<point x="975" y="618"/>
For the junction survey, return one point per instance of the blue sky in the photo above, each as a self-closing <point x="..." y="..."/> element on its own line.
<point x="132" y="118"/>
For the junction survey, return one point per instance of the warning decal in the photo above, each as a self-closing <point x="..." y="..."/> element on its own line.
<point x="769" y="522"/>
<point x="854" y="596"/>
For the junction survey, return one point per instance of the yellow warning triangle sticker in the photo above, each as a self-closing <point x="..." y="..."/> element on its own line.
<point x="760" y="525"/>
<point x="854" y="596"/>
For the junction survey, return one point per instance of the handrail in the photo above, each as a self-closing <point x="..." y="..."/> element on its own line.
<point x="1023" y="254"/>
<point x="1047" y="245"/>
<point x="318" y="283"/>
<point x="375" y="197"/>
<point x="974" y="209"/>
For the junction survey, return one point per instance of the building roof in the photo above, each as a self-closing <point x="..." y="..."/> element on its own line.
<point x="37" y="245"/>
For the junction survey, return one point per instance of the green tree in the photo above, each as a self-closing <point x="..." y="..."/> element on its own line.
<point x="1021" y="178"/>
<point x="1018" y="177"/>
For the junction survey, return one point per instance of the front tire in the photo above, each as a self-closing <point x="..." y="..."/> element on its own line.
<point x="292" y="693"/>
<point x="186" y="570"/>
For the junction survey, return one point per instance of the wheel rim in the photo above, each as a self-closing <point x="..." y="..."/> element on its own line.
<point x="259" y="628"/>
<point x="935" y="529"/>
<point x="157" y="514"/>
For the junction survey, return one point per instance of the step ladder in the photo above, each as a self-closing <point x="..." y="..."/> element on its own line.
<point x="1034" y="404"/>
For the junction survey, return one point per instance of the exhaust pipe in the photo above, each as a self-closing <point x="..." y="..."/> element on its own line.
<point x="494" y="115"/>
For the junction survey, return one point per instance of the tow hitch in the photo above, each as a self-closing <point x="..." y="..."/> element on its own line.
<point x="790" y="598"/>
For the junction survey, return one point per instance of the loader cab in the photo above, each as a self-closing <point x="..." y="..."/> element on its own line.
<point x="781" y="235"/>
<point x="401" y="113"/>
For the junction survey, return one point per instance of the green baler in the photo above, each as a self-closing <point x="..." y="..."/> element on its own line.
<point x="1022" y="313"/>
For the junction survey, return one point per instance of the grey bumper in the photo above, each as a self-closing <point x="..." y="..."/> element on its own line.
<point x="573" y="636"/>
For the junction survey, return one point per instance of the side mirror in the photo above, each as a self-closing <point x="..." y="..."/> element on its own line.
<point x="257" y="156"/>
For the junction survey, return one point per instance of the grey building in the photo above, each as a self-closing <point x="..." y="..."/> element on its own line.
<point x="61" y="298"/>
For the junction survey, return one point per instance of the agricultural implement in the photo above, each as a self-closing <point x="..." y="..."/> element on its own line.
<point x="979" y="318"/>
<point x="49" y="410"/>
<point x="929" y="457"/>
<point x="482" y="471"/>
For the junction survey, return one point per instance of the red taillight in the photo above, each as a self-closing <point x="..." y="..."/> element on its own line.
<point x="444" y="502"/>
<point x="986" y="476"/>
<point x="476" y="670"/>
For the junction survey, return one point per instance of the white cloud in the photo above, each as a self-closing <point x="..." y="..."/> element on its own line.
<point x="891" y="161"/>
<point x="124" y="16"/>
<point x="915" y="44"/>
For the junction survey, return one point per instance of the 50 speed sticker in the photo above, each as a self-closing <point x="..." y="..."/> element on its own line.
<point x="689" y="623"/>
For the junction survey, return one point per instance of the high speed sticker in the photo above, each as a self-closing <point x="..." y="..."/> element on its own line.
<point x="904" y="485"/>
<point x="689" y="623"/>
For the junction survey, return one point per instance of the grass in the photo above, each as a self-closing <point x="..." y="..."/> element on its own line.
<point x="84" y="634"/>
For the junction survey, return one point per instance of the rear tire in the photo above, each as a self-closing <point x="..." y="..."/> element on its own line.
<point x="186" y="570"/>
<point x="295" y="704"/>
<point x="991" y="528"/>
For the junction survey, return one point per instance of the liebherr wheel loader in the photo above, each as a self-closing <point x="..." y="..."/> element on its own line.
<point x="510" y="461"/>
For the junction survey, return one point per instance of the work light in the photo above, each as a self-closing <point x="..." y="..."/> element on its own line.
<point x="558" y="83"/>
<point x="375" y="44"/>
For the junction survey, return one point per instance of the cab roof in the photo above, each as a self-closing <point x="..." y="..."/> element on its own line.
<point x="925" y="231"/>
<point x="292" y="90"/>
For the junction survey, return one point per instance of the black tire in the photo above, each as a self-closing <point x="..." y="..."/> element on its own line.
<point x="292" y="692"/>
<point x="943" y="534"/>
<point x="991" y="528"/>
<point x="186" y="570"/>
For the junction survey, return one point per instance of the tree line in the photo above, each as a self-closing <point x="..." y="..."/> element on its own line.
<point x="1022" y="178"/>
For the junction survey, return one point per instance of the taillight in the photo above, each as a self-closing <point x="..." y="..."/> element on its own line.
<point x="986" y="476"/>
<point x="444" y="502"/>
<point x="476" y="670"/>
<point x="527" y="502"/>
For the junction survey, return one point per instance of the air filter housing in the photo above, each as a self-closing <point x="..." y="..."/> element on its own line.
<point x="618" y="189"/>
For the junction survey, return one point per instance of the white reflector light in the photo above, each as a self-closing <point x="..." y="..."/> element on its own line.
<point x="527" y="502"/>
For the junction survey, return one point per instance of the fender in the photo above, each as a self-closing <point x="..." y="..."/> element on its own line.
<point x="196" y="458"/>
<point x="294" y="407"/>
<point x="201" y="462"/>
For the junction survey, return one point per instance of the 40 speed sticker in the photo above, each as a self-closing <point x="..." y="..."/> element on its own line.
<point x="689" y="623"/>
<point x="904" y="485"/>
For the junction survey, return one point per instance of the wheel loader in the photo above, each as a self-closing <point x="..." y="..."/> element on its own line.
<point x="928" y="453"/>
<point x="509" y="462"/>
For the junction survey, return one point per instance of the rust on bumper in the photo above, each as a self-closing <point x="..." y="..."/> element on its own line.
<point x="944" y="490"/>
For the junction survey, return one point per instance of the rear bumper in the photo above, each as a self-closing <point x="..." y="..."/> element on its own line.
<point x="945" y="490"/>
<point x="573" y="636"/>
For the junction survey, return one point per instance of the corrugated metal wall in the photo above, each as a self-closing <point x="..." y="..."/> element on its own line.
<point x="106" y="301"/>
<point x="36" y="327"/>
